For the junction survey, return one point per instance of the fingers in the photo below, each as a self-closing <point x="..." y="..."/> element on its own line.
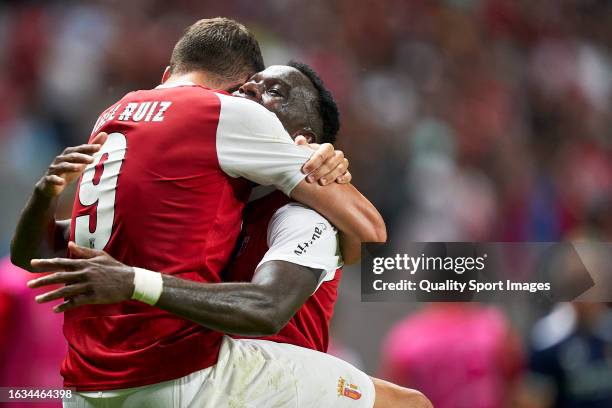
<point x="54" y="180"/>
<point x="56" y="278"/>
<point x="335" y="172"/>
<point x="100" y="138"/>
<point x="71" y="303"/>
<point x="74" y="157"/>
<point x="66" y="168"/>
<point x="63" y="168"/>
<point x="55" y="264"/>
<point x="84" y="148"/>
<point x="82" y="252"/>
<point x="345" y="178"/>
<point x="332" y="168"/>
<point x="67" y="291"/>
<point x="323" y="153"/>
<point x="300" y="141"/>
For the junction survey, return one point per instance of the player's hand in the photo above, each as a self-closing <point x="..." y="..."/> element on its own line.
<point x="326" y="165"/>
<point x="68" y="166"/>
<point x="93" y="277"/>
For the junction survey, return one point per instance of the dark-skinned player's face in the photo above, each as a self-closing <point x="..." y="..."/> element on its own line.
<point x="285" y="91"/>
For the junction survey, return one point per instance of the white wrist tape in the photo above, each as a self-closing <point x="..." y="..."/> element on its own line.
<point x="148" y="286"/>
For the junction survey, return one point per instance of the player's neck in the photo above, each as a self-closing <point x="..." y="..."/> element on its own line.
<point x="195" y="77"/>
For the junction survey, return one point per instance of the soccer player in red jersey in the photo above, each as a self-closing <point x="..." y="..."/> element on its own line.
<point x="289" y="251"/>
<point x="275" y="228"/>
<point x="164" y="192"/>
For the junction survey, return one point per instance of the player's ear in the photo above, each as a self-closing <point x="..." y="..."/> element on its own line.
<point x="166" y="74"/>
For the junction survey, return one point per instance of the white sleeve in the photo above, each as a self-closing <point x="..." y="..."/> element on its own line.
<point x="252" y="143"/>
<point x="300" y="235"/>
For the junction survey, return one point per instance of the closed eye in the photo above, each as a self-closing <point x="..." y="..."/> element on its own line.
<point x="274" y="92"/>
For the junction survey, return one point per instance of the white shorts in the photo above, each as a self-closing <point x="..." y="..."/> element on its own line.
<point x="250" y="374"/>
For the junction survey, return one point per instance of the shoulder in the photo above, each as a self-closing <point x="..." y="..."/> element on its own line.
<point x="244" y="116"/>
<point x="243" y="108"/>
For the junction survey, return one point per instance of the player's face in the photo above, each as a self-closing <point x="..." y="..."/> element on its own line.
<point x="283" y="90"/>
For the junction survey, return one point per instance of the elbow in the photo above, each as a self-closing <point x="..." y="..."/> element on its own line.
<point x="270" y="327"/>
<point x="421" y="401"/>
<point x="380" y="231"/>
<point x="256" y="313"/>
<point x="18" y="260"/>
<point x="377" y="230"/>
<point x="273" y="322"/>
<point x="269" y="318"/>
<point x="21" y="263"/>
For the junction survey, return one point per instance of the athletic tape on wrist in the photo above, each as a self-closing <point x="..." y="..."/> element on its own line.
<point x="148" y="286"/>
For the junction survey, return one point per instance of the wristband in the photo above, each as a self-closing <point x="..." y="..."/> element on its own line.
<point x="148" y="286"/>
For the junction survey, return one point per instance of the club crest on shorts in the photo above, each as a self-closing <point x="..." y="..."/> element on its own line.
<point x="346" y="389"/>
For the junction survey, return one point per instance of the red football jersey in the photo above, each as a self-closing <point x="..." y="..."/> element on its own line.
<point x="164" y="194"/>
<point x="309" y="327"/>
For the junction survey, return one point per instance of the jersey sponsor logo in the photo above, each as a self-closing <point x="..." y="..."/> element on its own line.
<point x="302" y="247"/>
<point x="346" y="389"/>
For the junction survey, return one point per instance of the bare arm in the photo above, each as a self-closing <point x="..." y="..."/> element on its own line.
<point x="257" y="308"/>
<point x="280" y="285"/>
<point x="350" y="248"/>
<point x="260" y="150"/>
<point x="326" y="166"/>
<point x="38" y="233"/>
<point x="260" y="307"/>
<point x="345" y="207"/>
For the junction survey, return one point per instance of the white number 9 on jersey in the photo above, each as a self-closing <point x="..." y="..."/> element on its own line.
<point x="98" y="188"/>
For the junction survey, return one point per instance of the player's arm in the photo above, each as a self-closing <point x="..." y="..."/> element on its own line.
<point x="328" y="165"/>
<point x="257" y="308"/>
<point x="261" y="307"/>
<point x="350" y="247"/>
<point x="302" y="254"/>
<point x="38" y="234"/>
<point x="346" y="208"/>
<point x="281" y="284"/>
<point x="253" y="144"/>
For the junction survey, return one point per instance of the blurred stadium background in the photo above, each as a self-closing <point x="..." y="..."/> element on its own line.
<point x="472" y="120"/>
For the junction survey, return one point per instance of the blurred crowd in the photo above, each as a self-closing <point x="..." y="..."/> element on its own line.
<point x="469" y="120"/>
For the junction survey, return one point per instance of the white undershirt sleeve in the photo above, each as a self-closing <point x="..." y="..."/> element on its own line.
<point x="252" y="143"/>
<point x="300" y="235"/>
